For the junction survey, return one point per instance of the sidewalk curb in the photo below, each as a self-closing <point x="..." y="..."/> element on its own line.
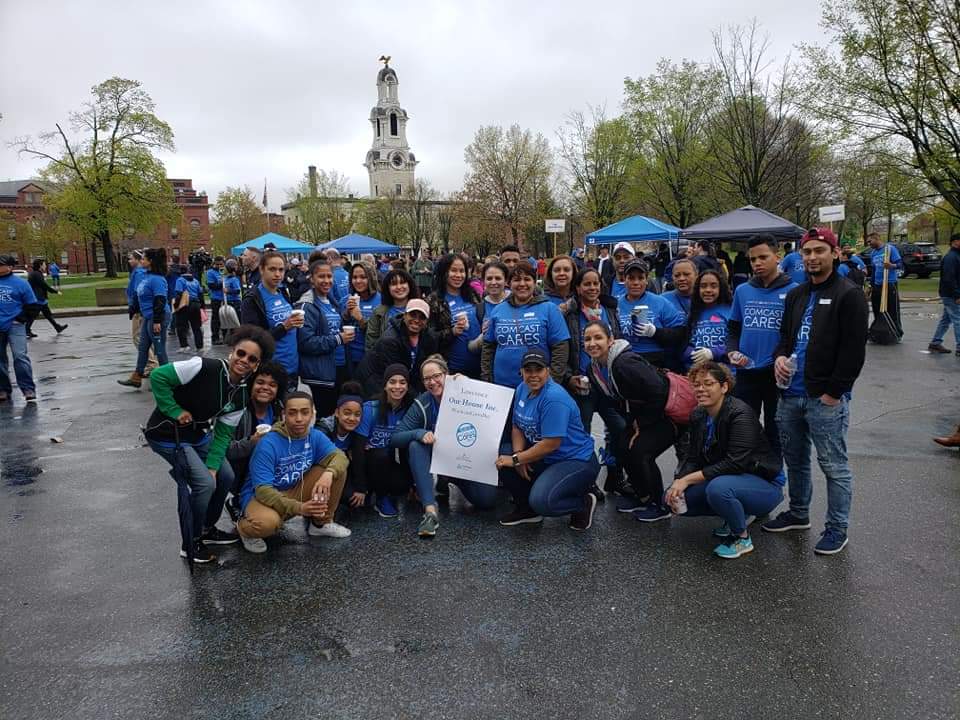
<point x="89" y="311"/>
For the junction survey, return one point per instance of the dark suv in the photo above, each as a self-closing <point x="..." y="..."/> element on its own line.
<point x="919" y="259"/>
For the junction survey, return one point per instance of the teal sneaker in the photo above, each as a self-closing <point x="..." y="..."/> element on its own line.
<point x="428" y="525"/>
<point x="734" y="547"/>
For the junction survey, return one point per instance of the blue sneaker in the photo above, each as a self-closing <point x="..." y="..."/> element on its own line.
<point x="832" y="541"/>
<point x="386" y="508"/>
<point x="653" y="513"/>
<point x="785" y="521"/>
<point x="631" y="504"/>
<point x="734" y="547"/>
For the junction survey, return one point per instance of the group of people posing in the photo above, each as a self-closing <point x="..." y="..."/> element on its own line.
<point x="692" y="368"/>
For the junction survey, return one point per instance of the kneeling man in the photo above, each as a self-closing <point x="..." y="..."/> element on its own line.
<point x="295" y="470"/>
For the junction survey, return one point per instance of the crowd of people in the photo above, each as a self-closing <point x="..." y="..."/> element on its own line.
<point x="327" y="402"/>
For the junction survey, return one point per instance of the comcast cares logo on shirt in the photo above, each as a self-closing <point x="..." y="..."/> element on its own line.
<point x="466" y="434"/>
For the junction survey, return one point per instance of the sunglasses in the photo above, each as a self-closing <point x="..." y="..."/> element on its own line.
<point x="250" y="357"/>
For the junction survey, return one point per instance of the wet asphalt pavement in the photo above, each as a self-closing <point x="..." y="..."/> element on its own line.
<point x="101" y="619"/>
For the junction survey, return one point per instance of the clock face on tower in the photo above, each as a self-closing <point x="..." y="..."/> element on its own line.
<point x="397" y="160"/>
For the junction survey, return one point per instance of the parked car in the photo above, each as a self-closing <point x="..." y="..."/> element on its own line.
<point x="920" y="259"/>
<point x="866" y="254"/>
<point x="20" y="273"/>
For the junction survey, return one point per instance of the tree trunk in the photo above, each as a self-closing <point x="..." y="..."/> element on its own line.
<point x="108" y="255"/>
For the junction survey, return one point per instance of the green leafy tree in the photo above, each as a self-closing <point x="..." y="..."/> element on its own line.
<point x="106" y="178"/>
<point x="384" y="218"/>
<point x="237" y="217"/>
<point x="320" y="210"/>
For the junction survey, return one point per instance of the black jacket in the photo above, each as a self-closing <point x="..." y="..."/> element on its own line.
<point x="838" y="335"/>
<point x="394" y="347"/>
<point x="39" y="285"/>
<point x="241" y="448"/>
<point x="642" y="387"/>
<point x="738" y="444"/>
<point x="950" y="275"/>
<point x="253" y="312"/>
<point x="572" y="316"/>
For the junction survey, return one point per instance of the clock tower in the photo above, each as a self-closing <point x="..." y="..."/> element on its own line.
<point x="389" y="162"/>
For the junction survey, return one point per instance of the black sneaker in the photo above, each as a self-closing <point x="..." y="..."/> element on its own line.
<point x="201" y="554"/>
<point x="584" y="519"/>
<point x="61" y="328"/>
<point x="442" y="491"/>
<point x="233" y="508"/>
<point x="216" y="536"/>
<point x="784" y="522"/>
<point x="520" y="516"/>
<point x="597" y="493"/>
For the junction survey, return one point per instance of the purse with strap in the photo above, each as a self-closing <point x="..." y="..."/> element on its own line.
<point x="680" y="399"/>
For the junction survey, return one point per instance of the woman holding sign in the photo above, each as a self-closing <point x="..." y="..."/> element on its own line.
<point x="552" y="465"/>
<point x="415" y="432"/>
<point x="526" y="320"/>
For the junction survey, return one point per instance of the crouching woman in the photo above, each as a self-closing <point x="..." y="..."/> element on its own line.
<point x="295" y="470"/>
<point x="730" y="469"/>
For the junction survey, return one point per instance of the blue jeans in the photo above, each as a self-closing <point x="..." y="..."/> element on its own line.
<point x="951" y="316"/>
<point x="802" y="419"/>
<point x="480" y="495"/>
<point x="556" y="489"/>
<point x="733" y="497"/>
<point x="16" y="338"/>
<point x="206" y="496"/>
<point x="148" y="340"/>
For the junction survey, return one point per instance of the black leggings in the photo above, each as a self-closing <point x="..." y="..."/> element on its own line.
<point x="651" y="443"/>
<point x="325" y="396"/>
<point x="190" y="316"/>
<point x="45" y="310"/>
<point x="385" y="476"/>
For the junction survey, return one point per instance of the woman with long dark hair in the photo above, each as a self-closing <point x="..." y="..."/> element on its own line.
<point x="704" y="337"/>
<point x="152" y="301"/>
<point x="456" y="315"/>
<point x="397" y="289"/>
<point x="364" y="298"/>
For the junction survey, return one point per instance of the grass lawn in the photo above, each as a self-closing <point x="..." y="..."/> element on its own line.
<point x="77" y="279"/>
<point x="912" y="284"/>
<point x="84" y="296"/>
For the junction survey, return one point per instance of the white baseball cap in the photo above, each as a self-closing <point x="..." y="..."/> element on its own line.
<point x="624" y="246"/>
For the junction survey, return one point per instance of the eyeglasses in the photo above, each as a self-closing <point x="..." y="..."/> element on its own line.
<point x="250" y="357"/>
<point x="436" y="377"/>
<point x="704" y="384"/>
<point x="417" y="315"/>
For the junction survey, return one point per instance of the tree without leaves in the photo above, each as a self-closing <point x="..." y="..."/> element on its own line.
<point x="504" y="171"/>
<point x="896" y="74"/>
<point x="421" y="222"/>
<point x="597" y="155"/>
<point x="109" y="179"/>
<point x="237" y="218"/>
<point x="315" y="206"/>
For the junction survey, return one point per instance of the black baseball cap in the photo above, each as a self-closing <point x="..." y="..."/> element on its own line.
<point x="7" y="259"/>
<point x="635" y="265"/>
<point x="535" y="356"/>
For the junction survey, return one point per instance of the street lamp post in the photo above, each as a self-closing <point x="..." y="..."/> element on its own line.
<point x="329" y="238"/>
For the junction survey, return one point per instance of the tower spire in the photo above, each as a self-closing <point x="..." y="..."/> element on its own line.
<point x="389" y="162"/>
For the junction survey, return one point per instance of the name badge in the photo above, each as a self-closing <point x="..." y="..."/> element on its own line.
<point x="826" y="301"/>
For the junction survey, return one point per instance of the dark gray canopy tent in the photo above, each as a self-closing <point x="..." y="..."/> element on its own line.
<point x="741" y="224"/>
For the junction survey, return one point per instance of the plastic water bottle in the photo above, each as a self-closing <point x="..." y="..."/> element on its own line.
<point x="792" y="366"/>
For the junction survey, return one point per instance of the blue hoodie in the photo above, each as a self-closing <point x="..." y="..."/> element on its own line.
<point x="755" y="317"/>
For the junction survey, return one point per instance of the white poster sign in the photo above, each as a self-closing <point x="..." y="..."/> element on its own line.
<point x="469" y="425"/>
<point x="555" y="226"/>
<point x="832" y="213"/>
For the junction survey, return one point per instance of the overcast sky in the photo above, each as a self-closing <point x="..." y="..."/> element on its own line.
<point x="255" y="89"/>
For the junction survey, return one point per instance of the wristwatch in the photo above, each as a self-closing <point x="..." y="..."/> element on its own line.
<point x="516" y="459"/>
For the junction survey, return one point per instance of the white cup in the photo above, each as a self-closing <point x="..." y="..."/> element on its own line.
<point x="680" y="505"/>
<point x="298" y="313"/>
<point x="263" y="429"/>
<point x="350" y="328"/>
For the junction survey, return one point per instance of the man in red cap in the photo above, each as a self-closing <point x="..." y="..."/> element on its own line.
<point x="819" y="357"/>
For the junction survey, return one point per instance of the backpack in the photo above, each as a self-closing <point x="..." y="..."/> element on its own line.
<point x="856" y="275"/>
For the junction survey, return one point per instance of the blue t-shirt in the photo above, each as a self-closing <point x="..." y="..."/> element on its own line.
<point x="366" y="312"/>
<point x="395" y="310"/>
<point x="489" y="306"/>
<point x="231" y="288"/>
<point x="585" y="320"/>
<point x="378" y="433"/>
<point x="517" y="329"/>
<point x="792" y="266"/>
<point x="334" y="324"/>
<point x="282" y="462"/>
<point x="215" y="284"/>
<point x="798" y="388"/>
<point x="151" y="286"/>
<point x="552" y="413"/>
<point x="460" y="357"/>
<point x="710" y="331"/>
<point x="54" y="270"/>
<point x="680" y="302"/>
<point x="341" y="286"/>
<point x="136" y="276"/>
<point x="278" y="310"/>
<point x="191" y="286"/>
<point x="617" y="289"/>
<point x="876" y="259"/>
<point x="760" y="312"/>
<point x="660" y="312"/>
<point x="15" y="292"/>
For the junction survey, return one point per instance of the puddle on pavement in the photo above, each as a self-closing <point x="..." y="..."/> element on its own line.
<point x="18" y="471"/>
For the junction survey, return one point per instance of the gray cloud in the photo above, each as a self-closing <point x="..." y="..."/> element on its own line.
<point x="263" y="89"/>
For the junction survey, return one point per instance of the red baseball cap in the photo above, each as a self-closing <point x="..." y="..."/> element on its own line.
<point x="824" y="234"/>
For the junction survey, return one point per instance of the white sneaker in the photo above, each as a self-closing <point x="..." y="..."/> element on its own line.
<point x="184" y="351"/>
<point x="253" y="545"/>
<point x="331" y="530"/>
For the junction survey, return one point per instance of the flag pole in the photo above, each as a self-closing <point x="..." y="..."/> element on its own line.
<point x="266" y="209"/>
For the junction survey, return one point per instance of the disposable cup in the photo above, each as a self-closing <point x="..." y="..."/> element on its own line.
<point x="263" y="429"/>
<point x="680" y="505"/>
<point x="298" y="313"/>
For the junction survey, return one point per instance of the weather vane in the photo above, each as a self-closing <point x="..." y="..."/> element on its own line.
<point x="385" y="59"/>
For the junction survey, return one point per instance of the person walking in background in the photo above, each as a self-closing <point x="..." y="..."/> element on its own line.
<point x="17" y="305"/>
<point x="949" y="291"/>
<point x="54" y="271"/>
<point x="155" y="308"/>
<point x="818" y="359"/>
<point x="138" y="271"/>
<point x="892" y="266"/>
<point x="40" y="289"/>
<point x="189" y="303"/>
<point x="792" y="264"/>
<point x="214" y="277"/>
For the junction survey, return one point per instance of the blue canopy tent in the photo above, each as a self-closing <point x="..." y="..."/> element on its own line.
<point x="633" y="229"/>
<point x="354" y="244"/>
<point x="283" y="244"/>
